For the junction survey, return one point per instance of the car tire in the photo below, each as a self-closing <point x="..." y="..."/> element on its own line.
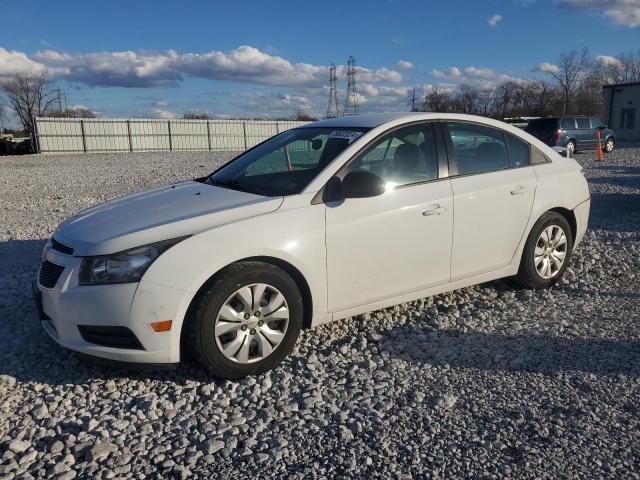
<point x="539" y="253"/>
<point x="609" y="145"/>
<point x="571" y="146"/>
<point x="223" y="305"/>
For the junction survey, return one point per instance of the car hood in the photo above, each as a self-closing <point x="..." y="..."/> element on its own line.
<point x="158" y="214"/>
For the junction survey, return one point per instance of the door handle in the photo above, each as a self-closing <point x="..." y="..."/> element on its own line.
<point x="519" y="190"/>
<point x="434" y="210"/>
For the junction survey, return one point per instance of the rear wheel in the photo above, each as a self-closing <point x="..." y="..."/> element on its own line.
<point x="571" y="146"/>
<point x="546" y="253"/>
<point x="246" y="322"/>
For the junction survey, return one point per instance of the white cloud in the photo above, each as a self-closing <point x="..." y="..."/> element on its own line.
<point x="607" y="60"/>
<point x="622" y="12"/>
<point x="479" y="72"/>
<point x="151" y="69"/>
<point x="163" y="114"/>
<point x="451" y="72"/>
<point x="548" y="67"/>
<point x="493" y="21"/>
<point x="405" y="64"/>
<point x="441" y="87"/>
<point x="12" y="62"/>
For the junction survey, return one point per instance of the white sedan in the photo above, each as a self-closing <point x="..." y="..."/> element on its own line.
<point x="318" y="223"/>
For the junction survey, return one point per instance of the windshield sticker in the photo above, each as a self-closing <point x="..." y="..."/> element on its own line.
<point x="346" y="134"/>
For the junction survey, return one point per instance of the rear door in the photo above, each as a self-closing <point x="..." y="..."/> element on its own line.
<point x="585" y="134"/>
<point x="493" y="187"/>
<point x="568" y="130"/>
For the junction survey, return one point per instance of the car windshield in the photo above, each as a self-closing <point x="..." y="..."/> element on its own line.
<point x="286" y="163"/>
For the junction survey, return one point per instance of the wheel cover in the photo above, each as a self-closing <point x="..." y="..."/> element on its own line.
<point x="571" y="146"/>
<point x="251" y="323"/>
<point x="550" y="252"/>
<point x="609" y="145"/>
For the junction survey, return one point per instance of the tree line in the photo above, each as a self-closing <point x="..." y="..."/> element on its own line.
<point x="574" y="88"/>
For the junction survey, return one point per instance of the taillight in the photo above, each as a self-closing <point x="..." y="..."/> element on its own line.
<point x="557" y="135"/>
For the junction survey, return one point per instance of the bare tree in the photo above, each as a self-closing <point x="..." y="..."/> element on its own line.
<point x="29" y="96"/>
<point x="573" y="70"/>
<point x="302" y="116"/>
<point x="73" y="112"/>
<point x="504" y="99"/>
<point x="438" y="100"/>
<point x="197" y="116"/>
<point x="624" y="68"/>
<point x="467" y="100"/>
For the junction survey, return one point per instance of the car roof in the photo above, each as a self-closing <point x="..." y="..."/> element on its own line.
<point x="367" y="120"/>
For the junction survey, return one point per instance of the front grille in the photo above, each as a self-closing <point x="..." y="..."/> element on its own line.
<point x="49" y="274"/>
<point x="114" y="337"/>
<point x="56" y="245"/>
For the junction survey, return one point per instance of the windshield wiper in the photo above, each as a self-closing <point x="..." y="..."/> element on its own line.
<point x="234" y="185"/>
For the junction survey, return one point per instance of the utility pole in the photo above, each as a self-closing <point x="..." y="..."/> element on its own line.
<point x="333" y="109"/>
<point x="351" y="100"/>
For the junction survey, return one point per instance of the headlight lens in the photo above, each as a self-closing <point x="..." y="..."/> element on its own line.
<point x="122" y="267"/>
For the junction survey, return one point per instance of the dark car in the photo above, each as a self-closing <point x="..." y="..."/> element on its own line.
<point x="573" y="132"/>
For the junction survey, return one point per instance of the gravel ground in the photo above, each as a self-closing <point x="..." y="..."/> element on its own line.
<point x="487" y="382"/>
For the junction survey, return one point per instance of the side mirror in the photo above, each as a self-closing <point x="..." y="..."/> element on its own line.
<point x="316" y="143"/>
<point x="357" y="184"/>
<point x="602" y="127"/>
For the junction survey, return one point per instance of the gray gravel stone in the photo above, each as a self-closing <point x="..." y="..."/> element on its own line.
<point x="485" y="382"/>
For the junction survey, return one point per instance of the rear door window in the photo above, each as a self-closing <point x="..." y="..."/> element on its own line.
<point x="477" y="148"/>
<point x="583" y="122"/>
<point x="568" y="123"/>
<point x="595" y="123"/>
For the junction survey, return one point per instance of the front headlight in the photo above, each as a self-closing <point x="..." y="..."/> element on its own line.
<point x="122" y="267"/>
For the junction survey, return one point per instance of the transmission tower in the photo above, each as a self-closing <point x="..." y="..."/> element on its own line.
<point x="351" y="100"/>
<point x="412" y="101"/>
<point x="333" y="109"/>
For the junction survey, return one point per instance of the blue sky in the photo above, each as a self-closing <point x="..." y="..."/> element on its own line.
<point x="259" y="58"/>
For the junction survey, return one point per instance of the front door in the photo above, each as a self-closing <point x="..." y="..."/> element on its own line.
<point x="400" y="241"/>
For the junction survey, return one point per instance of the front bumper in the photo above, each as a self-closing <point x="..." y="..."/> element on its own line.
<point x="67" y="306"/>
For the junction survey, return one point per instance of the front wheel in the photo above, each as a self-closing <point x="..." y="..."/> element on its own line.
<point x="546" y="253"/>
<point x="246" y="322"/>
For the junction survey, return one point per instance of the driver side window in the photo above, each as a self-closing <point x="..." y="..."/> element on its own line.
<point x="405" y="156"/>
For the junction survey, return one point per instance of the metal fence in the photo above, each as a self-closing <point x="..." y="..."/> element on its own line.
<point x="69" y="135"/>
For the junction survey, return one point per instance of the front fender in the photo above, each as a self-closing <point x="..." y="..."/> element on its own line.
<point x="294" y="235"/>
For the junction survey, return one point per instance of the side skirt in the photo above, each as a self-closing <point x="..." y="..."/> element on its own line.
<point x="409" y="297"/>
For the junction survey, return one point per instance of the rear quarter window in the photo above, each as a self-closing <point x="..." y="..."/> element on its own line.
<point x="568" y="124"/>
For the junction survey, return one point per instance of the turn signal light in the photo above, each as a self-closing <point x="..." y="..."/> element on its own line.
<point x="163" y="326"/>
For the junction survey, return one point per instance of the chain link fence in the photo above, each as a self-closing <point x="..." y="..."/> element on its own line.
<point x="73" y="135"/>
